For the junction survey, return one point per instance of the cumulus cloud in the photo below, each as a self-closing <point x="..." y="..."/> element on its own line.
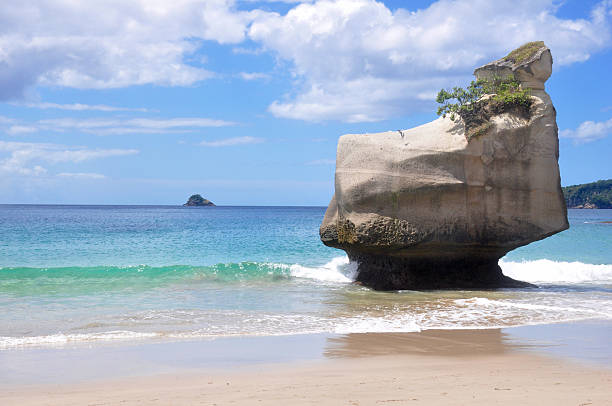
<point x="356" y="60"/>
<point x="351" y="60"/>
<point x="26" y="158"/>
<point x="230" y="142"/>
<point x="106" y="44"/>
<point x="588" y="131"/>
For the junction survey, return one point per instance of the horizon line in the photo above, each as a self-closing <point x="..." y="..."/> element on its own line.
<point x="150" y="205"/>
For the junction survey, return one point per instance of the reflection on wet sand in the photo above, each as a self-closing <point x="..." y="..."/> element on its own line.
<point x="430" y="342"/>
<point x="584" y="342"/>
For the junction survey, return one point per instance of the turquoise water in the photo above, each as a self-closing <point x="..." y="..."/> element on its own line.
<point x="588" y="240"/>
<point x="59" y="236"/>
<point x="72" y="274"/>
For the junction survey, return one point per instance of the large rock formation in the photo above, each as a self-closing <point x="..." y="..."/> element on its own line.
<point x="427" y="209"/>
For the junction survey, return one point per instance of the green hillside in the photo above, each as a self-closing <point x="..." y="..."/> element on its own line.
<point x="595" y="195"/>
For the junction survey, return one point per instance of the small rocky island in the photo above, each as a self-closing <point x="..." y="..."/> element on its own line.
<point x="436" y="206"/>
<point x="197" y="200"/>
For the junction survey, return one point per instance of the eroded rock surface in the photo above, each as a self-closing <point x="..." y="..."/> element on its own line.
<point x="426" y="209"/>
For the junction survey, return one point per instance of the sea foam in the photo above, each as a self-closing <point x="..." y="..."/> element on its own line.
<point x="338" y="269"/>
<point x="547" y="271"/>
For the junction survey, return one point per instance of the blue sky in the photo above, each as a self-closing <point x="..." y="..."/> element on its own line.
<point x="149" y="101"/>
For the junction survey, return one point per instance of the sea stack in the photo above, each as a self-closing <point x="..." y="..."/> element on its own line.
<point x="426" y="208"/>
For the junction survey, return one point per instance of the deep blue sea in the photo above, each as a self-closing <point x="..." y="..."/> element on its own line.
<point x="82" y="274"/>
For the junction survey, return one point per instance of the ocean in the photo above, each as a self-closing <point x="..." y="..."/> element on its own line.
<point x="71" y="275"/>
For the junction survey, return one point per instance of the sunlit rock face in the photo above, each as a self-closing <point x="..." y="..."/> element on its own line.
<point x="426" y="209"/>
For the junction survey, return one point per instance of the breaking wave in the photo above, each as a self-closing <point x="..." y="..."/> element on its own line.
<point x="303" y="300"/>
<point x="547" y="271"/>
<point x="26" y="281"/>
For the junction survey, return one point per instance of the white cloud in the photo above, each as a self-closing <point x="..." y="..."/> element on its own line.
<point x="229" y="142"/>
<point x="352" y="60"/>
<point x="107" y="44"/>
<point x="247" y="51"/>
<point x="178" y="122"/>
<point x="356" y="60"/>
<point x="253" y="75"/>
<point x="25" y="158"/>
<point x="20" y="129"/>
<point x="80" y="107"/>
<point x="589" y="131"/>
<point x="81" y="175"/>
<point x="118" y="126"/>
<point x="277" y="1"/>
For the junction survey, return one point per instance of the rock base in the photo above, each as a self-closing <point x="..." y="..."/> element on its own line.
<point x="382" y="272"/>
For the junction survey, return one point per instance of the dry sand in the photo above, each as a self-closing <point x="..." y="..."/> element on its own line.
<point x="429" y="368"/>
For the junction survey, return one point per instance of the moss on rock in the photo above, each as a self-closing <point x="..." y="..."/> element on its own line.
<point x="525" y="52"/>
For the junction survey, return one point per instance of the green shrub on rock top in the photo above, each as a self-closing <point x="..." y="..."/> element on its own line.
<point x="506" y="95"/>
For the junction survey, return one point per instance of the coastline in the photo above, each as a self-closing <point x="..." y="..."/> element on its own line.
<point x="521" y="365"/>
<point x="78" y="332"/>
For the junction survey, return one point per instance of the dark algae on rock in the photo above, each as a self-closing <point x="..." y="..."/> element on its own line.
<point x="594" y="195"/>
<point x="197" y="200"/>
<point x="437" y="206"/>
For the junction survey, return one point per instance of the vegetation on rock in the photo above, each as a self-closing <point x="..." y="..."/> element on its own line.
<point x="524" y="52"/>
<point x="594" y="195"/>
<point x="476" y="109"/>
<point x="197" y="200"/>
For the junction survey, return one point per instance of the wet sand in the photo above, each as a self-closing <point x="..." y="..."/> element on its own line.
<point x="432" y="367"/>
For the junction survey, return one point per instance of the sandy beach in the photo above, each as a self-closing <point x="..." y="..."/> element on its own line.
<point x="305" y="202"/>
<point x="475" y="367"/>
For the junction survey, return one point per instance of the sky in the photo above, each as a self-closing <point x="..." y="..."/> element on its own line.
<point x="243" y="102"/>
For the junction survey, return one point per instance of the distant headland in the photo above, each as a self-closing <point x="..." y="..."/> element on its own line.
<point x="594" y="195"/>
<point x="197" y="200"/>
